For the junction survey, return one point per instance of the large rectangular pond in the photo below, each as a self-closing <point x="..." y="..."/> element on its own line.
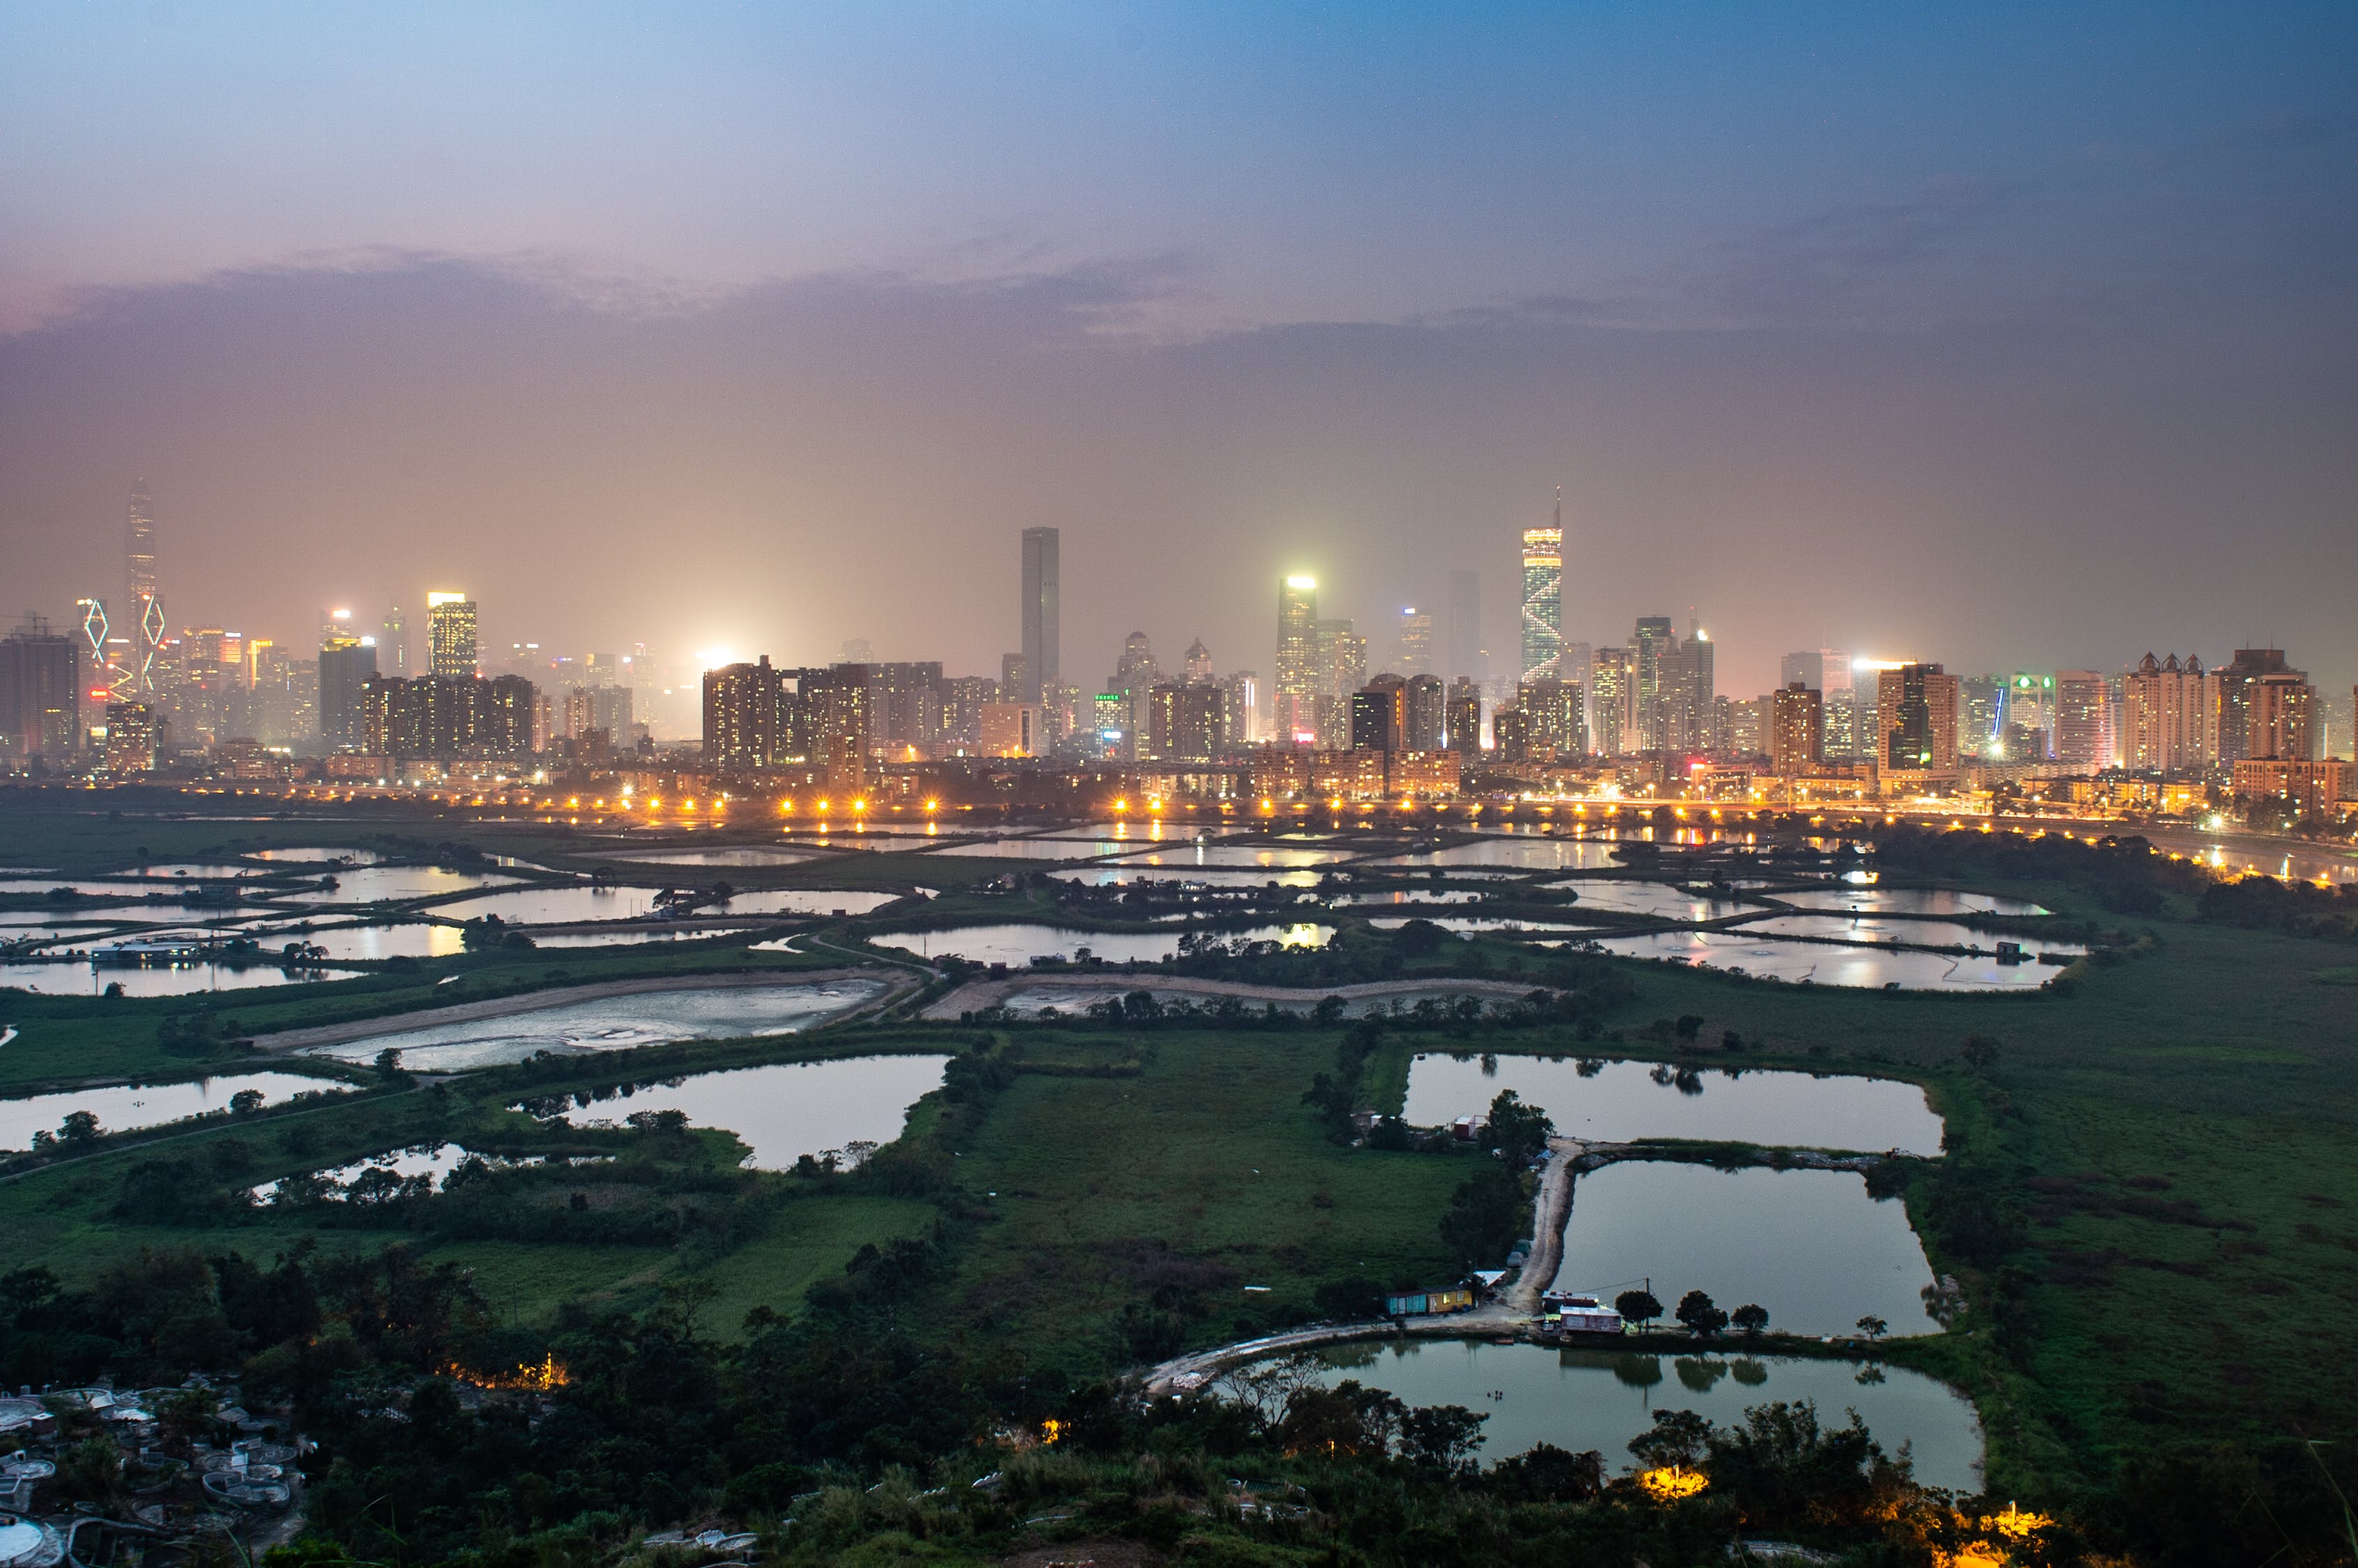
<point x="125" y="1107"/>
<point x="1035" y="848"/>
<point x="1515" y="854"/>
<point x="1810" y="1245"/>
<point x="1820" y="964"/>
<point x="372" y="943"/>
<point x="1282" y="857"/>
<point x="1897" y="928"/>
<point x="730" y="855"/>
<point x="584" y="904"/>
<point x="1116" y="875"/>
<point x="1648" y="897"/>
<point x="786" y="1109"/>
<point x="375" y="884"/>
<point x="81" y="978"/>
<point x="1020" y="943"/>
<point x="1599" y="1400"/>
<point x="1477" y="924"/>
<point x="1618" y="1102"/>
<point x="327" y="853"/>
<point x="612" y="1024"/>
<point x="1908" y="900"/>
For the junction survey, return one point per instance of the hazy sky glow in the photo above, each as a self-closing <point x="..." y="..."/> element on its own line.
<point x="1991" y="337"/>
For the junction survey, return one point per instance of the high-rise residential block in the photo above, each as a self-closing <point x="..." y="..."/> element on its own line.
<point x="392" y="642"/>
<point x="40" y="692"/>
<point x="1042" y="586"/>
<point x="1916" y="709"/>
<point x="1187" y="721"/>
<point x="1557" y="712"/>
<point x="451" y="640"/>
<point x="1296" y="688"/>
<point x="1244" y="709"/>
<point x="744" y="717"/>
<point x="1648" y="648"/>
<point x="1609" y="698"/>
<point x="2170" y="716"/>
<point x="135" y="739"/>
<point x="1428" y="717"/>
<point x="1797" y="730"/>
<point x="1462" y="722"/>
<point x="1379" y="715"/>
<point x="1011" y="728"/>
<point x="2084" y="736"/>
<point x="2281" y="718"/>
<point x="1542" y="615"/>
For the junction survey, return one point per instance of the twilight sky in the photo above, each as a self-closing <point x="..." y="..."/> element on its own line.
<point x="2016" y="337"/>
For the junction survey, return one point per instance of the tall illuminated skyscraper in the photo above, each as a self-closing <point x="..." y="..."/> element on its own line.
<point x="146" y="601"/>
<point x="450" y="636"/>
<point x="1041" y="589"/>
<point x="1297" y="685"/>
<point x="1543" y="598"/>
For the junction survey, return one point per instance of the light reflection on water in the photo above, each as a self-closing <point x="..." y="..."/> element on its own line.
<point x="786" y="1109"/>
<point x="1617" y="1102"/>
<point x="1583" y="1400"/>
<point x="1013" y="943"/>
<point x="1810" y="1245"/>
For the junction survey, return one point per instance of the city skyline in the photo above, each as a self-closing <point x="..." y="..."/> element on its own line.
<point x="2094" y="357"/>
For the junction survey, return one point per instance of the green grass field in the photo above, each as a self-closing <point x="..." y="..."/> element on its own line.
<point x="2175" y="1126"/>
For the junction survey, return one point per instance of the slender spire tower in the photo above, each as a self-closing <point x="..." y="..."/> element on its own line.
<point x="139" y="577"/>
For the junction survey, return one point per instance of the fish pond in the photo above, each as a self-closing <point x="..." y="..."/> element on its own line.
<point x="125" y="1107"/>
<point x="585" y="904"/>
<point x="1648" y="897"/>
<point x="1118" y="874"/>
<point x="80" y="978"/>
<point x="1020" y="943"/>
<point x="1810" y="1245"/>
<point x="612" y="1024"/>
<point x="1896" y="928"/>
<point x="376" y="884"/>
<point x="1516" y="854"/>
<point x="781" y="1111"/>
<point x="1618" y="1102"/>
<point x="1581" y="1399"/>
<point x="1822" y="964"/>
<point x="1908" y="900"/>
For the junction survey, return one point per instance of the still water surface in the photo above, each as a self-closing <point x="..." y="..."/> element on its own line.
<point x="1617" y="1102"/>
<point x="1020" y="943"/>
<point x="371" y="884"/>
<point x="1810" y="1245"/>
<point x="1827" y="966"/>
<point x="1909" y="901"/>
<point x="123" y="1107"/>
<point x="92" y="979"/>
<point x="1583" y="1400"/>
<point x="787" y="1109"/>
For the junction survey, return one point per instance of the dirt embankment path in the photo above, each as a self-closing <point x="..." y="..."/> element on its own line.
<point x="894" y="981"/>
<point x="977" y="994"/>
